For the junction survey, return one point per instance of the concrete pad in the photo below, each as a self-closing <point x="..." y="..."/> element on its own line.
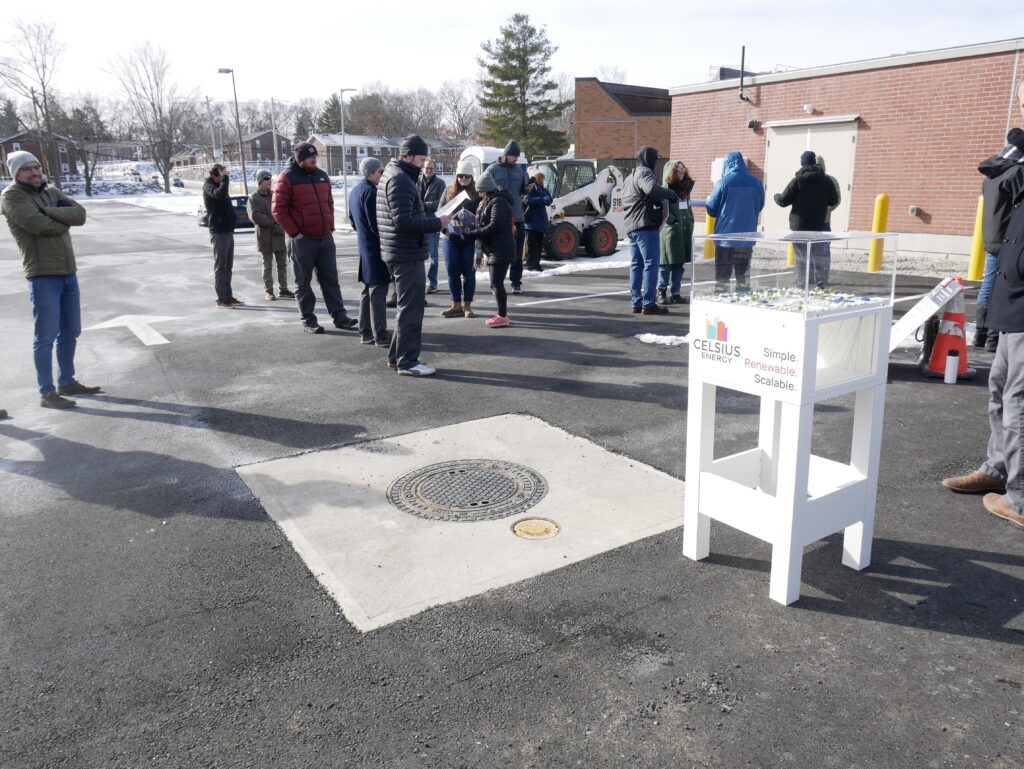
<point x="381" y="564"/>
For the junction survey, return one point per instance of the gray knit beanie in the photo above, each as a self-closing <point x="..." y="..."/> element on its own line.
<point x="369" y="166"/>
<point x="17" y="159"/>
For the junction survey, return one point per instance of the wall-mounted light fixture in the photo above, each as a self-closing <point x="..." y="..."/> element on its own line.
<point x="753" y="125"/>
<point x="809" y="109"/>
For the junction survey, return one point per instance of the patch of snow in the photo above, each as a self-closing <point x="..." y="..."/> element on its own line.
<point x="582" y="264"/>
<point x="671" y="341"/>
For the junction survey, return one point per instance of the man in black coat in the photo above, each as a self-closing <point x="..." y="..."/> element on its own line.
<point x="221" y="219"/>
<point x="812" y="194"/>
<point x="1002" y="472"/>
<point x="403" y="225"/>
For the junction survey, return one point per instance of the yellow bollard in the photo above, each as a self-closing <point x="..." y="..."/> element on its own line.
<point x="976" y="270"/>
<point x="790" y="255"/>
<point x="709" y="229"/>
<point x="878" y="224"/>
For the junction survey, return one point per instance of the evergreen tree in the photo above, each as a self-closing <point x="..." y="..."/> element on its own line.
<point x="9" y="122"/>
<point x="328" y="119"/>
<point x="518" y="94"/>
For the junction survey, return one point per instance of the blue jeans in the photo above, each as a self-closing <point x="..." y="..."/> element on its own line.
<point x="991" y="262"/>
<point x="673" y="273"/>
<point x="58" y="318"/>
<point x="645" y="251"/>
<point x="458" y="261"/>
<point x="432" y="241"/>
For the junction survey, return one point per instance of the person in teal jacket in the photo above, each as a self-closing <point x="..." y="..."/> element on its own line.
<point x="676" y="234"/>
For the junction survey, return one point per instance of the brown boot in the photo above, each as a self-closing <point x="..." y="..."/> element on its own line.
<point x="467" y="310"/>
<point x="975" y="483"/>
<point x="452" y="312"/>
<point x="997" y="505"/>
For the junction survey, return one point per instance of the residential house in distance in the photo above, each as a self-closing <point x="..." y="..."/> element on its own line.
<point x="62" y="151"/>
<point x="357" y="147"/>
<point x="259" y="149"/>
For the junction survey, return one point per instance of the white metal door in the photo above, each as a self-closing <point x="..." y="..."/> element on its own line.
<point x="835" y="142"/>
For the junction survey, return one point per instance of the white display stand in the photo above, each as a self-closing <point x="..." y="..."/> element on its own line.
<point x="779" y="491"/>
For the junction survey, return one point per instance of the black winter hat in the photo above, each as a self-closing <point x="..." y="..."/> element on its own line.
<point x="647" y="156"/>
<point x="304" y="150"/>
<point x="413" y="145"/>
<point x="512" y="148"/>
<point x="808" y="159"/>
<point x="1016" y="138"/>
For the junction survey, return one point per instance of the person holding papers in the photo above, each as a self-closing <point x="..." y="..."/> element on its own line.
<point x="459" y="244"/>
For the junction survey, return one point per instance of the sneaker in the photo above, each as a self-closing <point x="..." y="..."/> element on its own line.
<point x="285" y="292"/>
<point x="367" y="340"/>
<point x="54" y="401"/>
<point x="497" y="321"/>
<point x="345" y="322"/>
<point x="270" y="296"/>
<point x="392" y="364"/>
<point x="654" y="309"/>
<point x="517" y="289"/>
<point x="224" y="305"/>
<point x="392" y="301"/>
<point x="637" y="309"/>
<point x="77" y="388"/>
<point x="384" y="341"/>
<point x="974" y="483"/>
<point x="235" y="302"/>
<point x="312" y="328"/>
<point x="997" y="505"/>
<point x="420" y="369"/>
<point x="431" y="289"/>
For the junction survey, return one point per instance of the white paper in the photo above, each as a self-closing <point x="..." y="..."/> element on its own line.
<point x="684" y="204"/>
<point x="452" y="204"/>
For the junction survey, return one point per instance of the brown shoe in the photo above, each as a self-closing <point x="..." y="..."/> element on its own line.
<point x="285" y="292"/>
<point x="997" y="505"/>
<point x="77" y="388"/>
<point x="452" y="312"/>
<point x="467" y="310"/>
<point x="54" y="401"/>
<point x="975" y="483"/>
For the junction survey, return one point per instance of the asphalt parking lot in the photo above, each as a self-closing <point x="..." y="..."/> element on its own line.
<point x="155" y="615"/>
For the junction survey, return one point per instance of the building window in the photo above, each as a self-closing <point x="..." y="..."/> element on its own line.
<point x="16" y="146"/>
<point x="348" y="166"/>
<point x="63" y="168"/>
<point x="361" y="151"/>
<point x="376" y="150"/>
<point x="439" y="168"/>
<point x="62" y="149"/>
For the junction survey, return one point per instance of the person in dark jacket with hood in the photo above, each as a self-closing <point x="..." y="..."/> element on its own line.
<point x="269" y="236"/>
<point x="1002" y="472"/>
<point x="303" y="205"/>
<point x="1004" y="178"/>
<point x="511" y="178"/>
<point x="645" y="211"/>
<point x="431" y="188"/>
<point x="811" y="194"/>
<point x="373" y="273"/>
<point x="403" y="225"/>
<point x="498" y="244"/>
<point x="221" y="219"/>
<point x="535" y="220"/>
<point x="735" y="202"/>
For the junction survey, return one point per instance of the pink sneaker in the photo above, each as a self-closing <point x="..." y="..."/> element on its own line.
<point x="497" y="321"/>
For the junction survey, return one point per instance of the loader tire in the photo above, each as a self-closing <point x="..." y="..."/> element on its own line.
<point x="562" y="241"/>
<point x="600" y="239"/>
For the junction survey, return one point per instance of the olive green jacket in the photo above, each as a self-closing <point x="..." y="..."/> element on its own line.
<point x="677" y="232"/>
<point x="40" y="220"/>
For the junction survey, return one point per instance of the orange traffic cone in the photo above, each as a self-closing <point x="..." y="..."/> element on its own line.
<point x="951" y="337"/>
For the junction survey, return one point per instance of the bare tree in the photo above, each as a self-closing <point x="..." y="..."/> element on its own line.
<point x="460" y="110"/>
<point x="29" y="73"/>
<point x="609" y="73"/>
<point x="425" y="111"/>
<point x="162" y="114"/>
<point x="566" y="120"/>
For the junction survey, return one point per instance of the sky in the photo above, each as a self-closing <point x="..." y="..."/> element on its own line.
<point x="408" y="45"/>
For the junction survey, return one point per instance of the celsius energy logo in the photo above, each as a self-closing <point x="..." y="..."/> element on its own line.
<point x="714" y="346"/>
<point x="716" y="330"/>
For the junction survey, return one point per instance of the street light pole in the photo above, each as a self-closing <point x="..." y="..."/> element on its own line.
<point x="238" y="127"/>
<point x="344" y="148"/>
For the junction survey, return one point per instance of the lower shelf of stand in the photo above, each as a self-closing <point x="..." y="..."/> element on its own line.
<point x="731" y="493"/>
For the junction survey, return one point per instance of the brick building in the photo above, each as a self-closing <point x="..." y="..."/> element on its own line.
<point x="912" y="126"/>
<point x="62" y="151"/>
<point x="613" y="121"/>
<point x="356" y="147"/>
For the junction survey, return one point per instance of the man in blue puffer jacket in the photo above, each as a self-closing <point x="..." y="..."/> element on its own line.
<point x="735" y="202"/>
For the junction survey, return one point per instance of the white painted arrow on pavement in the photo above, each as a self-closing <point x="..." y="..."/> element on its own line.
<point x="138" y="325"/>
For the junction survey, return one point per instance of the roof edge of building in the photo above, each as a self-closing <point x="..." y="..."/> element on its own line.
<point x="885" y="62"/>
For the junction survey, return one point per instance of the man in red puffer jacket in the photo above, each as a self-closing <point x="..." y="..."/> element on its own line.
<point x="303" y="205"/>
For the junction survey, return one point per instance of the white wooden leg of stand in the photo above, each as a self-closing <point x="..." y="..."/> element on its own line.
<point x="869" y="406"/>
<point x="768" y="441"/>
<point x="787" y="561"/>
<point x="791" y="497"/>
<point x="700" y="452"/>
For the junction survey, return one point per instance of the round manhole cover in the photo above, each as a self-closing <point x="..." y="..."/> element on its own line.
<point x="468" y="490"/>
<point x="535" y="528"/>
